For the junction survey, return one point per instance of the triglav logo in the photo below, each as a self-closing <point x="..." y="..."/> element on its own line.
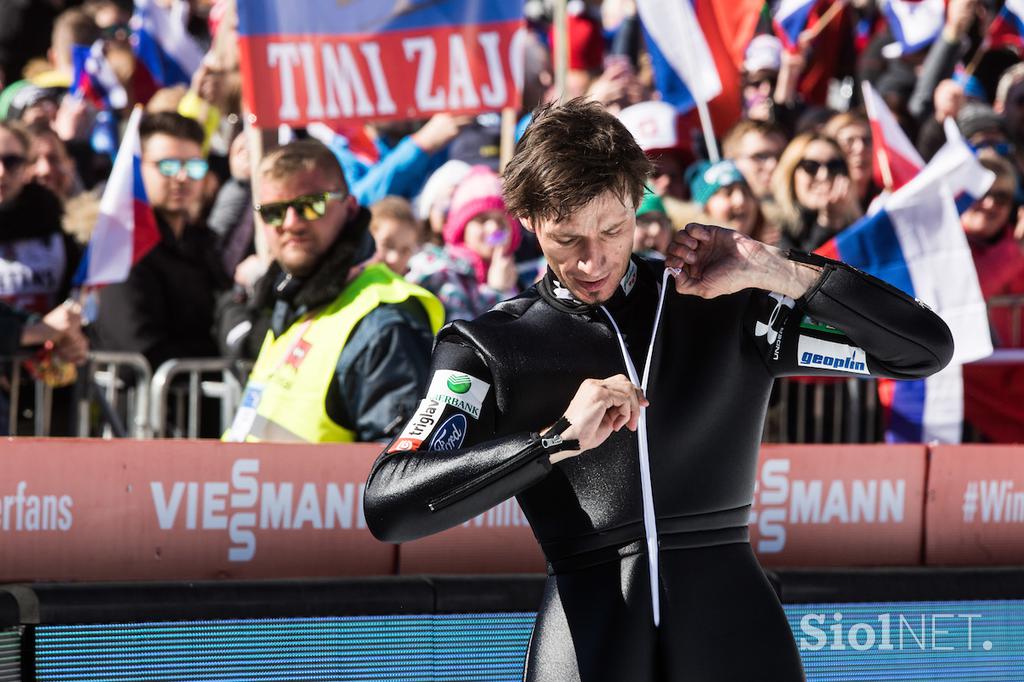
<point x="244" y="505"/>
<point x="783" y="502"/>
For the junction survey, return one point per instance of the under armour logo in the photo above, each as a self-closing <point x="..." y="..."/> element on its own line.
<point x="768" y="330"/>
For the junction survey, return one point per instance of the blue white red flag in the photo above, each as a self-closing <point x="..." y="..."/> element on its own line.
<point x="94" y="79"/>
<point x="126" y="228"/>
<point x="1007" y="29"/>
<point x="915" y="242"/>
<point x="362" y="60"/>
<point x="896" y="161"/>
<point x="165" y="51"/>
<point x="914" y="23"/>
<point x="790" y="20"/>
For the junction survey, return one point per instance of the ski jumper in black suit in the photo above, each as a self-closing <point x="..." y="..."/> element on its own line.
<point x="667" y="505"/>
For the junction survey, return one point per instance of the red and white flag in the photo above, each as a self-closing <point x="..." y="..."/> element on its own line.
<point x="895" y="161"/>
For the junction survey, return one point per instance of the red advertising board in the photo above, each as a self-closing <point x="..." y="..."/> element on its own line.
<point x="193" y="510"/>
<point x="975" y="505"/>
<point x="165" y="509"/>
<point x="839" y="505"/>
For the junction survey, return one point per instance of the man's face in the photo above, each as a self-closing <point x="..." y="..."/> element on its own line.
<point x="12" y="167"/>
<point x="757" y="158"/>
<point x="50" y="165"/>
<point x="177" y="194"/>
<point x="298" y="243"/>
<point x="589" y="251"/>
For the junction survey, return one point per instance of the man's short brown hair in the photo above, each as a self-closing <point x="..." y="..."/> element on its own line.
<point x="733" y="138"/>
<point x="570" y="154"/>
<point x="299" y="156"/>
<point x="172" y="124"/>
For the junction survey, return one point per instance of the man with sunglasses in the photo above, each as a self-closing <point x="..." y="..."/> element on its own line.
<point x="345" y="341"/>
<point x="165" y="308"/>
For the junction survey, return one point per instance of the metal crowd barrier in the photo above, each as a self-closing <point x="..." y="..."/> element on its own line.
<point x="184" y="419"/>
<point x="1015" y="304"/>
<point x="118" y="396"/>
<point x="109" y="387"/>
<point x="830" y="411"/>
<point x="42" y="400"/>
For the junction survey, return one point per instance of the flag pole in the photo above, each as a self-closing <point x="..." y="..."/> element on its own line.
<point x="508" y="137"/>
<point x="561" y="56"/>
<point x="254" y="140"/>
<point x="883" y="166"/>
<point x="709" y="130"/>
<point x="831" y="13"/>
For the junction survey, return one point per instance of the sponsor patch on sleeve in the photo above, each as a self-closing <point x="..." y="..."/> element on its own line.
<point x="450" y="435"/>
<point x="821" y="354"/>
<point x="419" y="427"/>
<point x="460" y="390"/>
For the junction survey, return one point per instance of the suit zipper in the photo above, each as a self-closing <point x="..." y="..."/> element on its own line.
<point x="646" y="489"/>
<point x="521" y="458"/>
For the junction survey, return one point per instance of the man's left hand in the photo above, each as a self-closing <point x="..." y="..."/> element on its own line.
<point x="715" y="261"/>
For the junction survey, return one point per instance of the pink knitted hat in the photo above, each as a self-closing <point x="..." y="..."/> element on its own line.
<point x="479" y="191"/>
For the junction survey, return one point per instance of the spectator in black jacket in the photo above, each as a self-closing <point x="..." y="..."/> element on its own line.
<point x="165" y="308"/>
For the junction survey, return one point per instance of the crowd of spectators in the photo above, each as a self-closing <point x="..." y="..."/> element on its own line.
<point x="796" y="168"/>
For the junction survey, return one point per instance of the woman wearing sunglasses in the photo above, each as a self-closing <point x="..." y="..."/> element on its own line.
<point x="813" y="193"/>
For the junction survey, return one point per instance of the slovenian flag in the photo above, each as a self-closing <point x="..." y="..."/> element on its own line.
<point x="94" y="79"/>
<point x="896" y="161"/>
<point x="914" y="23"/>
<point x="790" y="20"/>
<point x="683" y="68"/>
<point x="126" y="228"/>
<point x="166" y="54"/>
<point x="1007" y="29"/>
<point x="706" y="63"/>
<point x="915" y="242"/>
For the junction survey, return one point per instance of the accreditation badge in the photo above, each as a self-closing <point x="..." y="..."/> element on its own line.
<point x="246" y="415"/>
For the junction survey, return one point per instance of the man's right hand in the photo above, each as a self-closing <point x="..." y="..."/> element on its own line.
<point x="600" y="407"/>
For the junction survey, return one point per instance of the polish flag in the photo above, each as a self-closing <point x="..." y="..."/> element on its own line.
<point x="896" y="161"/>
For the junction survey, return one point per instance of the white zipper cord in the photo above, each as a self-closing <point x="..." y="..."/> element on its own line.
<point x="647" y="493"/>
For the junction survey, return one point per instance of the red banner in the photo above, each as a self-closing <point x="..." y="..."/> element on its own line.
<point x="839" y="505"/>
<point x="191" y="510"/>
<point x="183" y="510"/>
<point x="975" y="505"/>
<point x="299" y="79"/>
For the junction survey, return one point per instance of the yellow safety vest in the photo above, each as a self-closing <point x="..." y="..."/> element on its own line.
<point x="285" y="396"/>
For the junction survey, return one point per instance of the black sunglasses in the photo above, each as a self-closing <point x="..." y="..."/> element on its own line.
<point x="833" y="167"/>
<point x="12" y="161"/>
<point x="308" y="207"/>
